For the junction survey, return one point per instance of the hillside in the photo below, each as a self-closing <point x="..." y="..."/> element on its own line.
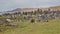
<point x="25" y="9"/>
<point x="55" y="8"/>
<point x="34" y="9"/>
<point x="29" y="22"/>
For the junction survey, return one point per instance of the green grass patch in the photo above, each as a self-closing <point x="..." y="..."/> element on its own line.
<point x="51" y="27"/>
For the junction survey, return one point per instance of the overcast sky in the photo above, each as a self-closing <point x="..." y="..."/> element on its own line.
<point x="13" y="4"/>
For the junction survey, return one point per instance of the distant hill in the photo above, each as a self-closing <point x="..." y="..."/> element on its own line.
<point x="34" y="9"/>
<point x="55" y="8"/>
<point x="25" y="9"/>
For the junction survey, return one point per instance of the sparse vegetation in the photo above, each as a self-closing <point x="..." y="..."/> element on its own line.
<point x="39" y="22"/>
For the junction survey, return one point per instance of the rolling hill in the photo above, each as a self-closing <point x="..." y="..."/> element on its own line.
<point x="55" y="8"/>
<point x="34" y="9"/>
<point x="51" y="27"/>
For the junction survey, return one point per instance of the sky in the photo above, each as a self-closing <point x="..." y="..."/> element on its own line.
<point x="6" y="5"/>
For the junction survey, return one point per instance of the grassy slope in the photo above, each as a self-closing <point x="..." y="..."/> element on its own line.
<point x="52" y="27"/>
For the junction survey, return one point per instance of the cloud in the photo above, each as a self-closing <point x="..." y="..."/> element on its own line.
<point x="12" y="4"/>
